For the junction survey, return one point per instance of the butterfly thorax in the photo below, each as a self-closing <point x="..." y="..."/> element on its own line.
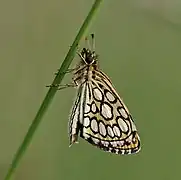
<point x="87" y="67"/>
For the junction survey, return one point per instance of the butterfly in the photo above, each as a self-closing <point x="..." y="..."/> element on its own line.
<point x="99" y="115"/>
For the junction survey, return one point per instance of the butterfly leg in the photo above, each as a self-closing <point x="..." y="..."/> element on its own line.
<point x="59" y="86"/>
<point x="65" y="72"/>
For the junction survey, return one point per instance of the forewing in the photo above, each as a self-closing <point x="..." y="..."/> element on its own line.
<point x="107" y="122"/>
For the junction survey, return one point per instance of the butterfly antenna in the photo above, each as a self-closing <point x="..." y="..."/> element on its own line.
<point x="93" y="42"/>
<point x="87" y="43"/>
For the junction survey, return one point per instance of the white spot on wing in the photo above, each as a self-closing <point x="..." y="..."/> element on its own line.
<point x="105" y="143"/>
<point x="123" y="126"/>
<point x="97" y="94"/>
<point x="110" y="97"/>
<point x="117" y="151"/>
<point x="123" y="112"/>
<point x="106" y="111"/>
<point x="94" y="125"/>
<point x="96" y="141"/>
<point x="120" y="143"/>
<point x="102" y="129"/>
<point x="110" y="149"/>
<point x="114" y="144"/>
<point x="93" y="108"/>
<point x="86" y="121"/>
<point x="87" y="108"/>
<point x="116" y="131"/>
<point x="130" y="138"/>
<point x="129" y="151"/>
<point x="86" y="136"/>
<point x="110" y="131"/>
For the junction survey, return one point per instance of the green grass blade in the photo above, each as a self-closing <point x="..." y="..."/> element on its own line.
<point x="51" y="93"/>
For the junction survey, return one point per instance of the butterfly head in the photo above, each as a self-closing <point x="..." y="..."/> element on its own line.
<point x="88" y="56"/>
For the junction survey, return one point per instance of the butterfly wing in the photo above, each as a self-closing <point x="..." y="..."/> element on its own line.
<point x="101" y="117"/>
<point x="106" y="122"/>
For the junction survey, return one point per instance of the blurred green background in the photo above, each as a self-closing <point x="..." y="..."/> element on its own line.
<point x="139" y="46"/>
